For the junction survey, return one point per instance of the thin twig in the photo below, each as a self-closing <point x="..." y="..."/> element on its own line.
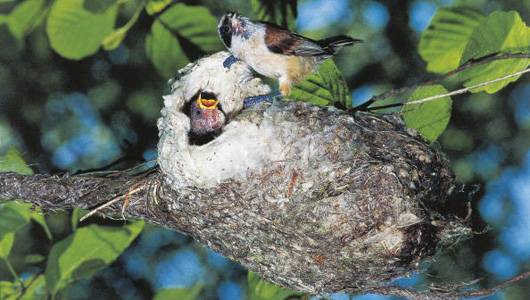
<point x="490" y="291"/>
<point x="467" y="89"/>
<point x="467" y="65"/>
<point x="447" y="293"/>
<point x="112" y="201"/>
<point x="12" y="270"/>
<point x="455" y="92"/>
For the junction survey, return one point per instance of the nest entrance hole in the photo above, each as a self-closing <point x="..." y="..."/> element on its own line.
<point x="199" y="139"/>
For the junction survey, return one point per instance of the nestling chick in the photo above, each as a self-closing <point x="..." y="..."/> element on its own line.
<point x="276" y="52"/>
<point x="206" y="117"/>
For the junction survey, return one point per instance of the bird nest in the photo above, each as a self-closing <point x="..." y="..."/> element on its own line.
<point x="310" y="197"/>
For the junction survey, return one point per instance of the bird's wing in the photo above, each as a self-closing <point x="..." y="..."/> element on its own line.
<point x="283" y="41"/>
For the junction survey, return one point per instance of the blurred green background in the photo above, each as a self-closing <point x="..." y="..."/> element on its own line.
<point x="91" y="108"/>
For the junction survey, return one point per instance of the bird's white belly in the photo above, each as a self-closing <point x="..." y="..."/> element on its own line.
<point x="261" y="59"/>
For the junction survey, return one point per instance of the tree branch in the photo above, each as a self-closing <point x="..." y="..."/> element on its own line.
<point x="358" y="213"/>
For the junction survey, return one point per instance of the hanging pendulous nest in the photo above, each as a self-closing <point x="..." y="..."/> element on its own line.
<point x="309" y="197"/>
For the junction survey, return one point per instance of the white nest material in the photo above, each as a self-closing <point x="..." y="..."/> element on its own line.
<point x="241" y="147"/>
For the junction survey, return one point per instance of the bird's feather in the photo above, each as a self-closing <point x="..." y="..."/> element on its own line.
<point x="284" y="42"/>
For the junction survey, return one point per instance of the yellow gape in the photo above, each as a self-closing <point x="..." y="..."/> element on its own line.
<point x="205" y="103"/>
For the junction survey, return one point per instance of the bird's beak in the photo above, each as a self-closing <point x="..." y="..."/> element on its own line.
<point x="207" y="103"/>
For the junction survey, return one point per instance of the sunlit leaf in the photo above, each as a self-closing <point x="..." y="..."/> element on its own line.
<point x="194" y="23"/>
<point x="36" y="289"/>
<point x="259" y="289"/>
<point x="9" y="290"/>
<point x="282" y="13"/>
<point x="155" y="6"/>
<point x="164" y="50"/>
<point x="13" y="162"/>
<point x="443" y="42"/>
<point x="6" y="243"/>
<point x="499" y="32"/>
<point x="179" y="293"/>
<point x="324" y="87"/>
<point x="76" y="32"/>
<point x="24" y="17"/>
<point x="114" y="39"/>
<point x="429" y="118"/>
<point x="85" y="252"/>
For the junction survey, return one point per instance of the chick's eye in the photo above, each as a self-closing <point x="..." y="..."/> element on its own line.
<point x="225" y="29"/>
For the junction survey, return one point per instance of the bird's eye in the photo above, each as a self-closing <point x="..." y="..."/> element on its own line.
<point x="197" y="112"/>
<point x="225" y="29"/>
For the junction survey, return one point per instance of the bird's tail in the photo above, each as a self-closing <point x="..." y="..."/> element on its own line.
<point x="335" y="43"/>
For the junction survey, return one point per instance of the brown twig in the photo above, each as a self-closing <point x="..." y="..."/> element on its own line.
<point x="490" y="291"/>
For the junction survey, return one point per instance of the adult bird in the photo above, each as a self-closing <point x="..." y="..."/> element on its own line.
<point x="276" y="52"/>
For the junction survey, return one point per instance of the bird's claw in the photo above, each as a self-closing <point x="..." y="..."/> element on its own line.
<point x="229" y="61"/>
<point x="254" y="100"/>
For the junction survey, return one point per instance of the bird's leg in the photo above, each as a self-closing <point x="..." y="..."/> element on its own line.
<point x="229" y="61"/>
<point x="285" y="86"/>
<point x="251" y="101"/>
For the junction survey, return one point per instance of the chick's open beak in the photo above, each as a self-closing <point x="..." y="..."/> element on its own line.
<point x="207" y="103"/>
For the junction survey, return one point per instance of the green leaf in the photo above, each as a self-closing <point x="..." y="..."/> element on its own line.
<point x="282" y="13"/>
<point x="25" y="17"/>
<point x="443" y="42"/>
<point x="13" y="162"/>
<point x="98" y="6"/>
<point x="155" y="6"/>
<point x="12" y="218"/>
<point x="36" y="290"/>
<point x="259" y="289"/>
<point x="34" y="259"/>
<point x="76" y="32"/>
<point x="6" y="243"/>
<point x="85" y="252"/>
<point x="77" y="214"/>
<point x="429" y="118"/>
<point x="9" y="290"/>
<point x="39" y="219"/>
<point x="114" y="39"/>
<point x="28" y="212"/>
<point x="194" y="23"/>
<point x="499" y="32"/>
<point x="164" y="50"/>
<point x="179" y="293"/>
<point x="324" y="87"/>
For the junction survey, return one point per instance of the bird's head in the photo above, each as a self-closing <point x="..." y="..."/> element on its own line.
<point x="206" y="116"/>
<point x="234" y="25"/>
